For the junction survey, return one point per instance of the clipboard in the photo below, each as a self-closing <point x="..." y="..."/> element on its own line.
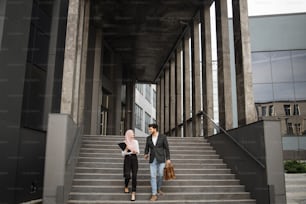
<point x="122" y="146"/>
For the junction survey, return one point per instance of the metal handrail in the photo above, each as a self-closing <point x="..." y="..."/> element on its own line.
<point x="234" y="140"/>
<point x="77" y="135"/>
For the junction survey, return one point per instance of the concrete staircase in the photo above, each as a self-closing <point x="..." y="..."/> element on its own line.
<point x="202" y="177"/>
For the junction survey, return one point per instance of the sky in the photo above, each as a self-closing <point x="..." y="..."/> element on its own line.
<point x="269" y="7"/>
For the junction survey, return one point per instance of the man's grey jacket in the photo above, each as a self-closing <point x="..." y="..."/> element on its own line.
<point x="160" y="151"/>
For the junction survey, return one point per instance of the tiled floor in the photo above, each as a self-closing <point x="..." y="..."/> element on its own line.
<point x="296" y="188"/>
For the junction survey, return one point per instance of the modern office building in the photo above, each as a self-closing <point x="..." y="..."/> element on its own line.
<point x="69" y="70"/>
<point x="145" y="108"/>
<point x="278" y="48"/>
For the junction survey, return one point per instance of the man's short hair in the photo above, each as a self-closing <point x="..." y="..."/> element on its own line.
<point x="153" y="125"/>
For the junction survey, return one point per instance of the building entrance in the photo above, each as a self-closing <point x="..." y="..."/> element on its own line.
<point x="103" y="120"/>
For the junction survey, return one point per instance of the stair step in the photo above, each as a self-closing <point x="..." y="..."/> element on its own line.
<point x="142" y="143"/>
<point x="168" y="189"/>
<point x="177" y="156"/>
<point x="167" y="196"/>
<point x="241" y="201"/>
<point x="142" y="140"/>
<point x="201" y="175"/>
<point x="147" y="176"/>
<point x="176" y="162"/>
<point x="121" y="137"/>
<point x="178" y="148"/>
<point x="140" y="182"/>
<point x="146" y="170"/>
<point x="173" y="151"/>
<point x="142" y="165"/>
<point x="116" y="148"/>
<point x="181" y="145"/>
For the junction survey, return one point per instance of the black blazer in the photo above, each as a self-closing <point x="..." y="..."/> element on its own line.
<point x="160" y="151"/>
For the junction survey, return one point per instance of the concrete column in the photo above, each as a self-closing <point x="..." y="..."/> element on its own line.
<point x="96" y="84"/>
<point x="84" y="64"/>
<point x="207" y="82"/>
<point x="179" y="94"/>
<point x="224" y="73"/>
<point x="244" y="84"/>
<point x="158" y="102"/>
<point x="130" y="106"/>
<point x="79" y="51"/>
<point x="162" y="103"/>
<point x="196" y="79"/>
<point x="114" y="108"/>
<point x="52" y="54"/>
<point x="187" y="87"/>
<point x="173" y="107"/>
<point x="167" y="99"/>
<point x="184" y="120"/>
<point x="89" y="78"/>
<point x="70" y="61"/>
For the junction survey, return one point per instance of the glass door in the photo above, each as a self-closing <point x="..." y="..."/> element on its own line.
<point x="103" y="119"/>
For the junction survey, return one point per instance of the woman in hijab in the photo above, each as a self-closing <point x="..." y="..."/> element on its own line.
<point x="130" y="162"/>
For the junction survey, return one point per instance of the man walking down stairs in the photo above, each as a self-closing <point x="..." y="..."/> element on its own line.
<point x="201" y="176"/>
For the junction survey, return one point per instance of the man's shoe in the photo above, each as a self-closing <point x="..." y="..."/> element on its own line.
<point x="153" y="198"/>
<point x="160" y="193"/>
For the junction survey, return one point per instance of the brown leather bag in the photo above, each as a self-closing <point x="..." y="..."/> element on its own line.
<point x="169" y="172"/>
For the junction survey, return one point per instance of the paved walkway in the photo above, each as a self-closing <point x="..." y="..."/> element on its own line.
<point x="296" y="188"/>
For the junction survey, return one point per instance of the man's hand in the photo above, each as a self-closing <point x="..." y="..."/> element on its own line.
<point x="146" y="156"/>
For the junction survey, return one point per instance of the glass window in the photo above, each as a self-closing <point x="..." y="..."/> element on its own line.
<point x="138" y="117"/>
<point x="281" y="66"/>
<point x="279" y="78"/>
<point x="264" y="111"/>
<point x="290" y="129"/>
<point x="297" y="129"/>
<point x="285" y="71"/>
<point x="296" y="109"/>
<point x="271" y="110"/>
<point x="261" y="67"/>
<point x="287" y="109"/>
<point x="139" y="87"/>
<point x="148" y="92"/>
<point x="147" y="122"/>
<point x="299" y="65"/>
<point x="153" y="121"/>
<point x="263" y="92"/>
<point x="283" y="91"/>
<point x="154" y="99"/>
<point x="300" y="90"/>
<point x="40" y="53"/>
<point x="34" y="95"/>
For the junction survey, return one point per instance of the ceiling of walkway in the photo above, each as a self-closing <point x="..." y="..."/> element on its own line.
<point x="143" y="32"/>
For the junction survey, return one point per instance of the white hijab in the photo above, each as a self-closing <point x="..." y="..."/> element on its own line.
<point x="130" y="140"/>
